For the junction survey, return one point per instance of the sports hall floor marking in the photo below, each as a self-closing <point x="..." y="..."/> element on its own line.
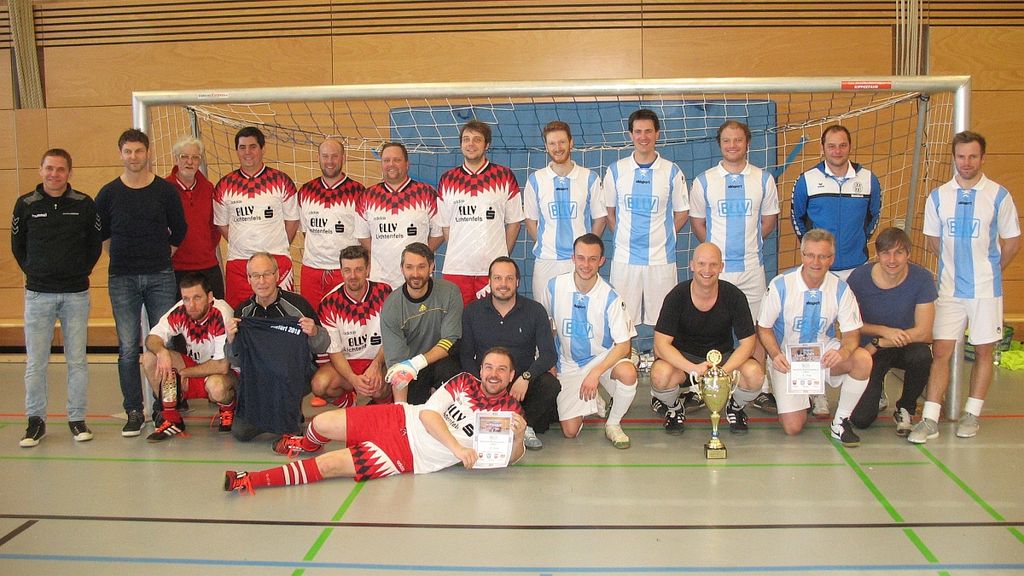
<point x="13" y="533"/>
<point x="315" y="548"/>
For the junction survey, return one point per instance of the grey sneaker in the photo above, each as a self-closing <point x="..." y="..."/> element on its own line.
<point x="968" y="426"/>
<point x="617" y="437"/>
<point x="883" y="403"/>
<point x="903" y="422"/>
<point x="530" y="440"/>
<point x="819" y="405"/>
<point x="925" y="430"/>
<point x="79" y="431"/>
<point x="34" y="432"/>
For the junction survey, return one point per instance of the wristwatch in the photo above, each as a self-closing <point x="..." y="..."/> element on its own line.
<point x="527" y="376"/>
<point x="874" y="342"/>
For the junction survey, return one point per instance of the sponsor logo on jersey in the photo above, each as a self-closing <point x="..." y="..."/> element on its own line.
<point x="735" y="207"/>
<point x="572" y="327"/>
<point x="562" y="210"/>
<point x="641" y="203"/>
<point x="798" y="324"/>
<point x="963" y="228"/>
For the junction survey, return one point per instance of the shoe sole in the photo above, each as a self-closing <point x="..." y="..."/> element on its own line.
<point x="739" y="431"/>
<point x="903" y="433"/>
<point x="30" y="442"/>
<point x="966" y="434"/>
<point x="621" y="445"/>
<point x="927" y="438"/>
<point x="675" y="431"/>
<point x="535" y="447"/>
<point x="131" y="433"/>
<point x="83" y="437"/>
<point x="847" y="444"/>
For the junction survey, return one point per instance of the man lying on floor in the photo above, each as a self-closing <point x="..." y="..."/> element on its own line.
<point x="386" y="439"/>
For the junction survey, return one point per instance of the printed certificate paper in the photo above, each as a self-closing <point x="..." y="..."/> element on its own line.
<point x="493" y="439"/>
<point x="806" y="374"/>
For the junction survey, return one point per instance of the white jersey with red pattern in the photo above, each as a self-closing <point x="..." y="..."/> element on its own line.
<point x="476" y="207"/>
<point x="328" y="219"/>
<point x="255" y="208"/>
<point x="456" y="402"/>
<point x="392" y="219"/>
<point x="204" y="339"/>
<point x="354" y="325"/>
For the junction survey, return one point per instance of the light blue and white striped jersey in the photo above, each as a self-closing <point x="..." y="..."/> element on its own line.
<point x="968" y="224"/>
<point x="789" y="302"/>
<point x="732" y="206"/>
<point x="644" y="200"/>
<point x="564" y="208"/>
<point x="586" y="325"/>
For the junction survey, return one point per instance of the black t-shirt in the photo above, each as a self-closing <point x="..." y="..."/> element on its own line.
<point x="694" y="332"/>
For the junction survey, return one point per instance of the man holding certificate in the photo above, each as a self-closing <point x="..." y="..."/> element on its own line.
<point x="388" y="439"/>
<point x="797" y="328"/>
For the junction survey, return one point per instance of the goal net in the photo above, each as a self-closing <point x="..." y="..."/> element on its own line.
<point x="901" y="128"/>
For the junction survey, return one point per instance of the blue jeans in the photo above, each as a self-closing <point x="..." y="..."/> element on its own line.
<point x="128" y="293"/>
<point x="42" y="310"/>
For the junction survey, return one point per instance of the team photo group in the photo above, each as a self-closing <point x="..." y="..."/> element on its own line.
<point x="406" y="363"/>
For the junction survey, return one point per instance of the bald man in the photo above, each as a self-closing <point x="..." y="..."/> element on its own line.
<point x="699" y="315"/>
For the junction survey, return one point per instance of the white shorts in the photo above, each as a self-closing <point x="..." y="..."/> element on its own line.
<point x="544" y="270"/>
<point x="793" y="402"/>
<point x="570" y="405"/>
<point x="643" y="284"/>
<point x="983" y="318"/>
<point x="752" y="284"/>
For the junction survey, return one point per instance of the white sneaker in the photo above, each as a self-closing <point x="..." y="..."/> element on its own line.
<point x="530" y="439"/>
<point x="883" y="403"/>
<point x="968" y="426"/>
<point x="617" y="437"/>
<point x="819" y="405"/>
<point x="925" y="430"/>
<point x="903" y="422"/>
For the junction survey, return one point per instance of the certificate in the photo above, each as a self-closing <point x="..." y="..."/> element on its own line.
<point x="493" y="439"/>
<point x="806" y="374"/>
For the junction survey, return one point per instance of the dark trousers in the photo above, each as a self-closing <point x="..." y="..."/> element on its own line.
<point x="539" y="402"/>
<point x="432" y="378"/>
<point x="916" y="361"/>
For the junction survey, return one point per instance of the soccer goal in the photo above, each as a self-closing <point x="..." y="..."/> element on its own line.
<point x="901" y="128"/>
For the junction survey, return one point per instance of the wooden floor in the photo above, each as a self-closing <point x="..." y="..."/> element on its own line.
<point x="778" y="505"/>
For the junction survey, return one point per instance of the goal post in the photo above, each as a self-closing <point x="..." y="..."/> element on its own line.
<point x="901" y="128"/>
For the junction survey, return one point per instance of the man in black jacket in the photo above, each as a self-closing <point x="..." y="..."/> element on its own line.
<point x="55" y="237"/>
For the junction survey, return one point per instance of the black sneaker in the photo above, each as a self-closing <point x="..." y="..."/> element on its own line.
<point x="134" y="426"/>
<point x="692" y="402"/>
<point x="34" y="432"/>
<point x="737" y="418"/>
<point x="675" y="419"/>
<point x="843" y="431"/>
<point x="79" y="431"/>
<point x="658" y="407"/>
<point x="765" y="402"/>
<point x="166" y="431"/>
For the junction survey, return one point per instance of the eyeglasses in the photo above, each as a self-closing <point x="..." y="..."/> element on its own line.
<point x="259" y="275"/>
<point x="193" y="157"/>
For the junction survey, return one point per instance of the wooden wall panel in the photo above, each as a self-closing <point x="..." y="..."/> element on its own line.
<point x="89" y="134"/>
<point x="9" y="144"/>
<point x="996" y="114"/>
<point x="6" y="81"/>
<point x="990" y="54"/>
<point x="106" y="75"/>
<point x="31" y="137"/>
<point x="9" y="192"/>
<point x="805" y="51"/>
<point x="480" y="56"/>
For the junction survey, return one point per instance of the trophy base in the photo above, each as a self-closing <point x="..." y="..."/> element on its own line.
<point x="716" y="453"/>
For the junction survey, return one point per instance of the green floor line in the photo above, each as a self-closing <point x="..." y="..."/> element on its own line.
<point x="1016" y="534"/>
<point x="140" y="460"/>
<point x="318" y="544"/>
<point x="963" y="485"/>
<point x="896" y="463"/>
<point x="889" y="508"/>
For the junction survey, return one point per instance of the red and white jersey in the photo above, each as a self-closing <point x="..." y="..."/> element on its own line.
<point x="392" y="219"/>
<point x="456" y="402"/>
<point x="476" y="207"/>
<point x="204" y="340"/>
<point x="255" y="208"/>
<point x="354" y="325"/>
<point x="328" y="218"/>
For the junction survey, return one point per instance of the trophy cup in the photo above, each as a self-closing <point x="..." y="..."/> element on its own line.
<point x="714" y="386"/>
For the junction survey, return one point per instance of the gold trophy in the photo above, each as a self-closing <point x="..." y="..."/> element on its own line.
<point x="714" y="386"/>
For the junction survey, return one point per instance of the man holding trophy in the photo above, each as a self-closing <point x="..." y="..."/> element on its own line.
<point x="698" y="317"/>
<point x="797" y="328"/>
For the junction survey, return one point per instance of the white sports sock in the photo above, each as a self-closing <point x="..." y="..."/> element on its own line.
<point x="741" y="397"/>
<point x="668" y="397"/>
<point x="622" y="399"/>
<point x="931" y="411"/>
<point x="849" y="395"/>
<point x="973" y="406"/>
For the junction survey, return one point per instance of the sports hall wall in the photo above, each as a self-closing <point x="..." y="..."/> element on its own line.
<point x="93" y="54"/>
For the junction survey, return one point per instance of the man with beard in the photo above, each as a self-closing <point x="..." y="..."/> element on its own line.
<point x="519" y="324"/>
<point x="388" y="439"/>
<point x="420" y="324"/>
<point x="203" y="372"/>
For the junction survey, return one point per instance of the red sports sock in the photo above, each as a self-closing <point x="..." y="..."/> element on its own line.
<point x="291" y="474"/>
<point x="170" y="412"/>
<point x="313" y="440"/>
